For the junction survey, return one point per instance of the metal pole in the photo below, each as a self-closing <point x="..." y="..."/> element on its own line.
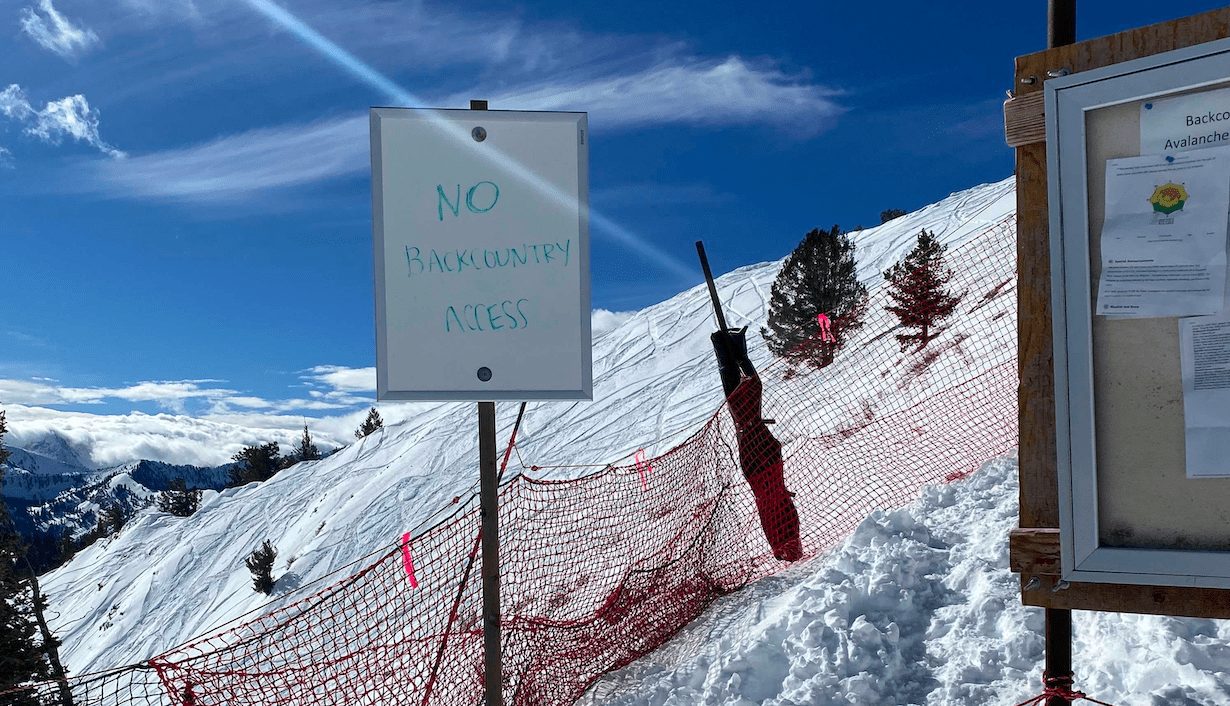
<point x="489" y="502"/>
<point x="1060" y="23"/>
<point x="1058" y="649"/>
<point x="1060" y="31"/>
<point x="713" y="295"/>
<point x="489" y="505"/>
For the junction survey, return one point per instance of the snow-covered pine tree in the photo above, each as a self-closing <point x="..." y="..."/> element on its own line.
<point x="369" y="425"/>
<point x="819" y="277"/>
<point x="260" y="563"/>
<point x="918" y="287"/>
<point x="21" y="656"/>
<point x="178" y="500"/>
<point x="306" y="450"/>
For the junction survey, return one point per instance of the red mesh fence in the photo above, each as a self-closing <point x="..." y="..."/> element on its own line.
<point x="602" y="569"/>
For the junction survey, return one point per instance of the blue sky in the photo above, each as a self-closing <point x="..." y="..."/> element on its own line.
<point x="184" y="184"/>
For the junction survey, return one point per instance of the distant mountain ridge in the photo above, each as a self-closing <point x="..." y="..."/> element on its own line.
<point x="52" y="495"/>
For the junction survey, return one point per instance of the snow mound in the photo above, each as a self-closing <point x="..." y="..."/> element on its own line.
<point x="917" y="606"/>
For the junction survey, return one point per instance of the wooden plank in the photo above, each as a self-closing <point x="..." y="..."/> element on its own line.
<point x="1034" y="551"/>
<point x="1114" y="598"/>
<point x="1039" y="474"/>
<point x="1039" y="486"/>
<point x="1025" y="120"/>
<point x="1115" y="48"/>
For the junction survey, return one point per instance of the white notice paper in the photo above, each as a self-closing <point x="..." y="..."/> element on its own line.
<point x="1190" y="122"/>
<point x="1164" y="239"/>
<point x="1204" y="352"/>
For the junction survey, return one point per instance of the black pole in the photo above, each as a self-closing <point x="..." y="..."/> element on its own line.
<point x="1060" y="31"/>
<point x="1058" y="650"/>
<point x="1060" y="23"/>
<point x="717" y="304"/>
<point x="489" y="501"/>
<point x="489" y="507"/>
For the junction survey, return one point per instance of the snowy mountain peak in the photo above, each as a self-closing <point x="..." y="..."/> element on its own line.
<point x="55" y="446"/>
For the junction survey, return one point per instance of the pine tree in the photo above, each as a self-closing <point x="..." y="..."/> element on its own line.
<point x="178" y="500"/>
<point x="113" y="517"/>
<point x="918" y="287"/>
<point x="260" y="563"/>
<point x="819" y="277"/>
<point x="889" y="214"/>
<point x="258" y="462"/>
<point x="306" y="450"/>
<point x="21" y="656"/>
<point x="369" y="425"/>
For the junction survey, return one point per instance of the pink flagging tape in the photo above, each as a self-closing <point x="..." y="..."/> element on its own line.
<point x="405" y="559"/>
<point x="643" y="467"/>
<point x="826" y="329"/>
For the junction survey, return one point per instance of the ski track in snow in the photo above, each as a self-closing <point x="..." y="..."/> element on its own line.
<point x="916" y="607"/>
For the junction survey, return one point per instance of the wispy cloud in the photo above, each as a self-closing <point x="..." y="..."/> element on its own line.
<point x="690" y="92"/>
<point x="248" y="165"/>
<point x="242" y="166"/>
<point x="53" y="31"/>
<point x="6" y="159"/>
<point x="69" y="117"/>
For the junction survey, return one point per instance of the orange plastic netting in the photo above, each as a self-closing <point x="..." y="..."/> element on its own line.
<point x="602" y="569"/>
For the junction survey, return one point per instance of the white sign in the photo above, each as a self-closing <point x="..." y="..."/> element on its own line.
<point x="1204" y="351"/>
<point x="1164" y="237"/>
<point x="1187" y="122"/>
<point x="481" y="243"/>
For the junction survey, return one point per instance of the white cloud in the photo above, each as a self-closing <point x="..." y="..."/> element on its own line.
<point x="244" y="165"/>
<point x="70" y="117"/>
<point x="207" y="422"/>
<point x="691" y="92"/>
<point x="209" y="440"/>
<point x="604" y="320"/>
<point x="340" y="386"/>
<point x="344" y="379"/>
<point x="6" y="159"/>
<point x="174" y="438"/>
<point x="54" y="32"/>
<point x="168" y="394"/>
<point x="247" y="165"/>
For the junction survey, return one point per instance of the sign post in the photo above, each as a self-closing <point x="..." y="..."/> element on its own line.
<point x="480" y="227"/>
<point x="1057" y="634"/>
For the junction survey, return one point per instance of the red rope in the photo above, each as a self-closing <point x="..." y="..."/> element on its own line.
<point x="1060" y="687"/>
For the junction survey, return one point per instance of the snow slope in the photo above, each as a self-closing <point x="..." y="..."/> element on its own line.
<point x="164" y="580"/>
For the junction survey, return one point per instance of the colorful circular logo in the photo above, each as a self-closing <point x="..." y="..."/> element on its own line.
<point x="1168" y="198"/>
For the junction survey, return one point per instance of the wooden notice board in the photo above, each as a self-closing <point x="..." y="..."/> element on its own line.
<point x="1141" y="498"/>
